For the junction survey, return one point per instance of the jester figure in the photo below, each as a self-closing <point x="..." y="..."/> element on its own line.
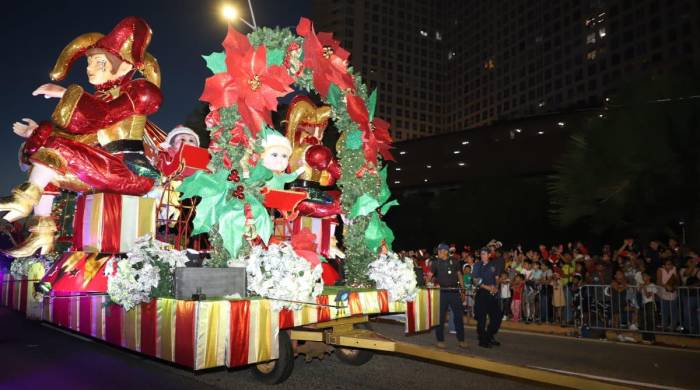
<point x="94" y="141"/>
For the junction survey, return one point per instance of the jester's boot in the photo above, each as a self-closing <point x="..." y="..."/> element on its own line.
<point x="21" y="203"/>
<point x="41" y="237"/>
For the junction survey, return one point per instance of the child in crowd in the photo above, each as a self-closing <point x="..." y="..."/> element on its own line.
<point x="518" y="288"/>
<point x="468" y="301"/>
<point x="648" y="291"/>
<point x="558" y="299"/>
<point x="504" y="295"/>
<point x="529" y="292"/>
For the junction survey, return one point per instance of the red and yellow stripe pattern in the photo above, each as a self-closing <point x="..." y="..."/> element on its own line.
<point x="208" y="334"/>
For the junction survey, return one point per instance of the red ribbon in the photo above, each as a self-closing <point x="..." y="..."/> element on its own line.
<point x="149" y="320"/>
<point x="383" y="298"/>
<point x="23" y="284"/>
<point x="113" y="323"/>
<point x="61" y="312"/>
<point x="184" y="333"/>
<point x="85" y="319"/>
<point x="324" y="313"/>
<point x="410" y="317"/>
<point x="286" y="320"/>
<point x="239" y="337"/>
<point x="111" y="223"/>
<point x="10" y="291"/>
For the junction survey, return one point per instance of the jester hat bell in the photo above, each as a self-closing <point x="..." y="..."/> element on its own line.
<point x="127" y="41"/>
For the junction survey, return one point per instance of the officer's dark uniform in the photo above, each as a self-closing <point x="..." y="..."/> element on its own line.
<point x="486" y="304"/>
<point x="446" y="272"/>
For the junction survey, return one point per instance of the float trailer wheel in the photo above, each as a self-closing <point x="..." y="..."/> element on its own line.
<point x="276" y="371"/>
<point x="355" y="357"/>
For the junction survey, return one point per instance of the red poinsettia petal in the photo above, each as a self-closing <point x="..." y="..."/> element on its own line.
<point x="381" y="130"/>
<point x="358" y="111"/>
<point x="220" y="90"/>
<point x="235" y="44"/>
<point x="305" y="27"/>
<point x="254" y="119"/>
<point x="259" y="60"/>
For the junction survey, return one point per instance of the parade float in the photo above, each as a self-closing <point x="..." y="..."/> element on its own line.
<point x="265" y="245"/>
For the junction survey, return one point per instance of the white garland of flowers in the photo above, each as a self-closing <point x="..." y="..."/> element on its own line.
<point x="396" y="276"/>
<point x="19" y="269"/>
<point x="138" y="273"/>
<point x="279" y="273"/>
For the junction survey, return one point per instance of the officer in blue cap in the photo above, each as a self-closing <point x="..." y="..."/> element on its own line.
<point x="447" y="273"/>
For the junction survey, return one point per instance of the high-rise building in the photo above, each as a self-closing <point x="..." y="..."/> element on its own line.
<point x="449" y="65"/>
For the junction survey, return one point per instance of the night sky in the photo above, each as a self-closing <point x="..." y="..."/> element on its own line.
<point x="35" y="32"/>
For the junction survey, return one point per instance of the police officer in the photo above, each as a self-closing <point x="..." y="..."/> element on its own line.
<point x="447" y="273"/>
<point x="485" y="277"/>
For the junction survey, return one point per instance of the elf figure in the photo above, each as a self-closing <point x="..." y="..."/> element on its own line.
<point x="93" y="142"/>
<point x="275" y="157"/>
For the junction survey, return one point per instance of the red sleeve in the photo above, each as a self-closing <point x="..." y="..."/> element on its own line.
<point x="89" y="113"/>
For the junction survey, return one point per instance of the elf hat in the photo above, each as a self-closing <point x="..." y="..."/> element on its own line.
<point x="180" y="129"/>
<point x="274" y="138"/>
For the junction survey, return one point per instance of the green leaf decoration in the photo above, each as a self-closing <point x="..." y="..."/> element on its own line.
<point x="322" y="259"/>
<point x="216" y="62"/>
<point x="335" y="95"/>
<point x="376" y="232"/>
<point x="263" y="221"/>
<point x="372" y="104"/>
<point x="353" y="140"/>
<point x="275" y="57"/>
<point x="384" y="191"/>
<point x="205" y="184"/>
<point x="387" y="206"/>
<point x="231" y="227"/>
<point x="213" y="189"/>
<point x="364" y="205"/>
<point x="208" y="212"/>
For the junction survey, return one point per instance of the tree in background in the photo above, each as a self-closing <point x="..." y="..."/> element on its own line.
<point x="636" y="169"/>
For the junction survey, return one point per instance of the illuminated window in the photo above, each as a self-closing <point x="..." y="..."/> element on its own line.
<point x="601" y="32"/>
<point x="591" y="55"/>
<point x="590" y="38"/>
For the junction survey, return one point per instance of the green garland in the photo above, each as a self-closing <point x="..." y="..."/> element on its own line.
<point x="354" y="190"/>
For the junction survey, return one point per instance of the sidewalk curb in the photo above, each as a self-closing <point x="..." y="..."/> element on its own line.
<point x="665" y="340"/>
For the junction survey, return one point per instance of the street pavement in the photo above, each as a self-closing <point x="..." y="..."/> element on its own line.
<point x="34" y="355"/>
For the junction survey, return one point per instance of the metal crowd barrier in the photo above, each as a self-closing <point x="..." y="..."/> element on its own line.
<point x="678" y="312"/>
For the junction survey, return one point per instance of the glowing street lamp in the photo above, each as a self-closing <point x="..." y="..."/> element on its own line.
<point x="230" y="14"/>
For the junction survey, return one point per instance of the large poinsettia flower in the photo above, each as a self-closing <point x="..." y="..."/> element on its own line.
<point x="375" y="131"/>
<point x="248" y="82"/>
<point x="325" y="57"/>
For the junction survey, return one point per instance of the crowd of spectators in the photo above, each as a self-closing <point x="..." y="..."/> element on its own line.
<point x="653" y="288"/>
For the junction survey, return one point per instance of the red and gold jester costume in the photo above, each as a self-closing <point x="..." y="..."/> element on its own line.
<point x="95" y="141"/>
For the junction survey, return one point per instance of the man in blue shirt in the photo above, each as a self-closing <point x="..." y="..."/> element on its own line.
<point x="485" y="277"/>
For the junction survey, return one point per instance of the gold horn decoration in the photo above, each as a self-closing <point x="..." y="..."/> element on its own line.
<point x="151" y="69"/>
<point x="71" y="52"/>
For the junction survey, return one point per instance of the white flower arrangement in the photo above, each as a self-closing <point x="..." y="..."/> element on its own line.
<point x="149" y="265"/>
<point x="391" y="273"/>
<point x="19" y="269"/>
<point x="279" y="273"/>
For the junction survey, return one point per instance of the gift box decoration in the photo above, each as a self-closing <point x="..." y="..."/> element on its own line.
<point x="110" y="223"/>
<point x="78" y="272"/>
<point x="322" y="228"/>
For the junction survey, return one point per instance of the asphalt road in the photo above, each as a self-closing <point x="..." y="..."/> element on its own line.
<point x="34" y="356"/>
